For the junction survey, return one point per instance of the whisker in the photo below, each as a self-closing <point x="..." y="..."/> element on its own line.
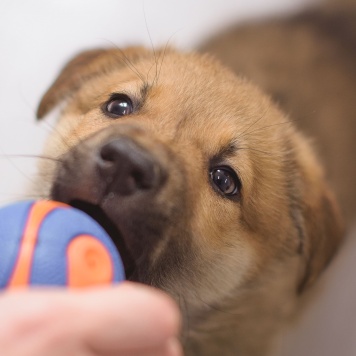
<point x="264" y="127"/>
<point x="123" y="58"/>
<point x="19" y="197"/>
<point x="34" y="156"/>
<point x="152" y="46"/>
<point x="164" y="54"/>
<point x="33" y="111"/>
<point x="9" y="159"/>
<point x="50" y="128"/>
<point x="148" y="75"/>
<point x="53" y="129"/>
<point x="256" y="150"/>
<point x="253" y="124"/>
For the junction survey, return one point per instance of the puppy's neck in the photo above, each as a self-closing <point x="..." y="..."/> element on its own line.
<point x="246" y="325"/>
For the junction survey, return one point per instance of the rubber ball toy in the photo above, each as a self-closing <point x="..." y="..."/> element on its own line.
<point x="50" y="243"/>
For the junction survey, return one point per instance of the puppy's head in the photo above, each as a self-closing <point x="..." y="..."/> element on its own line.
<point x="203" y="184"/>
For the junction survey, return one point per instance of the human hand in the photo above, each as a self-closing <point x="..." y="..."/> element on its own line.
<point x="128" y="319"/>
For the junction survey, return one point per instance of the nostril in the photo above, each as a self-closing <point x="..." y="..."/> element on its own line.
<point x="138" y="177"/>
<point x="109" y="153"/>
<point x="127" y="167"/>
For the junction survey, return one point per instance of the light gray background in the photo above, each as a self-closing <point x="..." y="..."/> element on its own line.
<point x="37" y="37"/>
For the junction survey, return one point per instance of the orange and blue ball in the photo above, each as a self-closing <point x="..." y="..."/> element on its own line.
<point x="50" y="243"/>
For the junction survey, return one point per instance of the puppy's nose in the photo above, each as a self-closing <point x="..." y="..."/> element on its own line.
<point x="127" y="168"/>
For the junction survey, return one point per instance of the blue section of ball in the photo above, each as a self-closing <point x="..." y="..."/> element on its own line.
<point x="49" y="266"/>
<point x="12" y="222"/>
<point x="57" y="230"/>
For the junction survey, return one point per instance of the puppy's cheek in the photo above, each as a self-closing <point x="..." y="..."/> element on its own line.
<point x="224" y="271"/>
<point x="225" y="252"/>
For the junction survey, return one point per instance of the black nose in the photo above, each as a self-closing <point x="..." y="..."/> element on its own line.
<point x="127" y="168"/>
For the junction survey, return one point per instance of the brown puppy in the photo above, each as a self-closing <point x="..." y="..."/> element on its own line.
<point x="208" y="191"/>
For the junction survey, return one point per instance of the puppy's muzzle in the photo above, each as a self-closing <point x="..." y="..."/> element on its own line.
<point x="117" y="180"/>
<point x="110" y="168"/>
<point x="126" y="168"/>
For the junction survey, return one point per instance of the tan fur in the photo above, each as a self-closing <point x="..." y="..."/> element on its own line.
<point x="307" y="64"/>
<point x="236" y="268"/>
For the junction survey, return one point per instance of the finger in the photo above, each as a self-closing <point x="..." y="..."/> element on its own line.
<point x="128" y="315"/>
<point x="104" y="320"/>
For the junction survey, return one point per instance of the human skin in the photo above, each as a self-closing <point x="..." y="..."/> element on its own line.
<point x="128" y="319"/>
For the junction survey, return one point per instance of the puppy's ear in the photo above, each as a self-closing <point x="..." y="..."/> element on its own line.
<point x="83" y="67"/>
<point x="323" y="225"/>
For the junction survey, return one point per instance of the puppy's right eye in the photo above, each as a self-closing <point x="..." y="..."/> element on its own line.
<point x="118" y="105"/>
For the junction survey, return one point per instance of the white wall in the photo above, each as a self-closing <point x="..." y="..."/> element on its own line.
<point x="37" y="37"/>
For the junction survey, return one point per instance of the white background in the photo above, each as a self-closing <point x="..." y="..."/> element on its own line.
<point x="37" y="37"/>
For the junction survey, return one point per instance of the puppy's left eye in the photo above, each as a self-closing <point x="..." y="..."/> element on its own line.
<point x="226" y="180"/>
<point x="119" y="105"/>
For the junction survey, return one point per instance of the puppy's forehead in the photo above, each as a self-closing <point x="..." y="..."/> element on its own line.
<point x="188" y="95"/>
<point x="192" y="80"/>
<point x="198" y="83"/>
<point x="196" y="89"/>
<point x="208" y="98"/>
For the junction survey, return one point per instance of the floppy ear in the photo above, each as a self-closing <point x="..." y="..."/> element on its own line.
<point x="322" y="220"/>
<point x="80" y="69"/>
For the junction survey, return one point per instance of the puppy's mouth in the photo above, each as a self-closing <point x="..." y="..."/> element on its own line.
<point x="99" y="215"/>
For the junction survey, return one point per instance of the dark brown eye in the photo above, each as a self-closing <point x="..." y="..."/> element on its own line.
<point x="119" y="105"/>
<point x="226" y="180"/>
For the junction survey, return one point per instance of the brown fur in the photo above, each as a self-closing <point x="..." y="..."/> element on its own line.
<point x="307" y="64"/>
<point x="235" y="266"/>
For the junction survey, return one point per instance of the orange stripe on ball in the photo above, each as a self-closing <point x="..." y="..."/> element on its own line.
<point x="89" y="262"/>
<point x="22" y="270"/>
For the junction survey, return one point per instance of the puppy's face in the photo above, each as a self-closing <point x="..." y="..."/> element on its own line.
<point x="204" y="186"/>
